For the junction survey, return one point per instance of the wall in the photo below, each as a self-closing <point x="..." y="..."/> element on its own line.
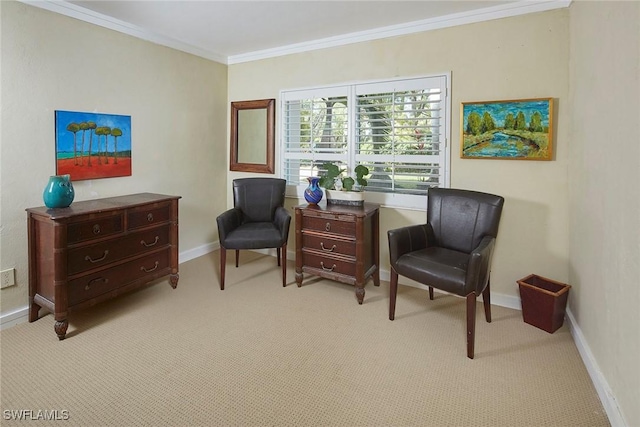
<point x="519" y="57"/>
<point x="604" y="194"/>
<point x="178" y="108"/>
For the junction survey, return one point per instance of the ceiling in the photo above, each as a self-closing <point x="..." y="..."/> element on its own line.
<point x="238" y="31"/>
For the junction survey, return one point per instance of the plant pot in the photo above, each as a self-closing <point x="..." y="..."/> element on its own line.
<point x="348" y="198"/>
<point x="543" y="302"/>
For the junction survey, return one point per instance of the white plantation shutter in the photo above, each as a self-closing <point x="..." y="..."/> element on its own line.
<point x="398" y="129"/>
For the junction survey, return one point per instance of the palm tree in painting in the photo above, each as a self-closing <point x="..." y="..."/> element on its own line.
<point x="99" y="132"/>
<point x="83" y="127"/>
<point x="107" y="132"/>
<point x="115" y="132"/>
<point x="73" y="127"/>
<point x="91" y="126"/>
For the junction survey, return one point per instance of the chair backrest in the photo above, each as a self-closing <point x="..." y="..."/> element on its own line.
<point x="459" y="219"/>
<point x="258" y="198"/>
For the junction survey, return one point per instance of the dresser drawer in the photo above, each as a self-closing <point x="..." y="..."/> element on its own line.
<point x="329" y="225"/>
<point x="99" y="254"/>
<point x="95" y="227"/>
<point x="90" y="286"/>
<point x="328" y="264"/>
<point x="148" y="215"/>
<point x="327" y="244"/>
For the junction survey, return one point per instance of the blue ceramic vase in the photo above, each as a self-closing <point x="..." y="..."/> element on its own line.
<point x="313" y="193"/>
<point x="59" y="192"/>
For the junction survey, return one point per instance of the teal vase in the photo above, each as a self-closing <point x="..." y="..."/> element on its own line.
<point x="59" y="192"/>
<point x="313" y="193"/>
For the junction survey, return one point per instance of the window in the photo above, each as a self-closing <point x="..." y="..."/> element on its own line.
<point x="398" y="129"/>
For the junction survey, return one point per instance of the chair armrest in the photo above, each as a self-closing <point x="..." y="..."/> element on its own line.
<point x="227" y="222"/>
<point x="480" y="265"/>
<point x="406" y="239"/>
<point x="282" y="220"/>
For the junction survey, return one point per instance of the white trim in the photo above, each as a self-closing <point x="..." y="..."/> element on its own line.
<point x="16" y="317"/>
<point x="600" y="383"/>
<point x="496" y="12"/>
<point x="480" y="15"/>
<point x="69" y="9"/>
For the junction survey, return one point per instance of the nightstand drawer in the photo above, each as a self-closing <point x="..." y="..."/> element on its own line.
<point x="326" y="244"/>
<point x="329" y="226"/>
<point x="92" y="256"/>
<point x="87" y="287"/>
<point x="95" y="227"/>
<point x="148" y="215"/>
<point x="329" y="265"/>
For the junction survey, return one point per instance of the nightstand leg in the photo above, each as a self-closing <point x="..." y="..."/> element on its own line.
<point x="61" y="328"/>
<point x="298" y="278"/>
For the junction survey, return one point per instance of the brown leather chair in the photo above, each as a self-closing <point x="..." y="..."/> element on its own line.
<point x="452" y="251"/>
<point x="258" y="220"/>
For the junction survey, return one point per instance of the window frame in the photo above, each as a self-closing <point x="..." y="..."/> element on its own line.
<point x="350" y="90"/>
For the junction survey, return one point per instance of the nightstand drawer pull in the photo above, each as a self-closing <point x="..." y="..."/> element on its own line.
<point x="327" y="227"/>
<point x="331" y="249"/>
<point x="96" y="229"/>
<point x="88" y="258"/>
<point x="148" y="245"/>
<point x="325" y="268"/>
<point x="98" y="279"/>
<point x="150" y="270"/>
<point x="150" y="217"/>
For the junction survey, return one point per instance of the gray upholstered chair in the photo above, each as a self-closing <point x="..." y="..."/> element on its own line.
<point x="258" y="220"/>
<point x="452" y="251"/>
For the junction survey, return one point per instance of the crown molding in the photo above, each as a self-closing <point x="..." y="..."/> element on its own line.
<point x="496" y="12"/>
<point x="71" y="10"/>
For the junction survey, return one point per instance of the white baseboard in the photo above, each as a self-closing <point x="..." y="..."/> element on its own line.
<point x="600" y="383"/>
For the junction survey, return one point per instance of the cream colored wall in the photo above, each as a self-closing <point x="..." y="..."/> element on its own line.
<point x="178" y="108"/>
<point x="520" y="57"/>
<point x="604" y="263"/>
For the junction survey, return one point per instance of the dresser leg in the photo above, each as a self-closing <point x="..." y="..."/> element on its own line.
<point x="360" y="293"/>
<point x="299" y="279"/>
<point x="173" y="280"/>
<point x="34" y="309"/>
<point x="61" y="328"/>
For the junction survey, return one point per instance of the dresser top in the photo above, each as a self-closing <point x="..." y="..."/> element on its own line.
<point x="100" y="205"/>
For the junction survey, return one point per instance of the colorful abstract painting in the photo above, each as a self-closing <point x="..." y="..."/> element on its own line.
<point x="519" y="129"/>
<point x="92" y="145"/>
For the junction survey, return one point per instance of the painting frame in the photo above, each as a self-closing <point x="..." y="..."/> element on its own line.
<point x="517" y="129"/>
<point x="92" y="145"/>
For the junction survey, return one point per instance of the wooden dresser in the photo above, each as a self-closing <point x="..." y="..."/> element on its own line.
<point x="95" y="250"/>
<point x="338" y="243"/>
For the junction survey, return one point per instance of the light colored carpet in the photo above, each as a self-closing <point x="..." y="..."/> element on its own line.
<point x="258" y="354"/>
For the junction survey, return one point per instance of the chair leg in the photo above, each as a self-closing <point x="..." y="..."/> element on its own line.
<point x="393" y="290"/>
<point x="471" y="323"/>
<point x="237" y="257"/>
<point x="278" y="256"/>
<point x="284" y="264"/>
<point x="430" y="293"/>
<point x="223" y="263"/>
<point x="486" y="299"/>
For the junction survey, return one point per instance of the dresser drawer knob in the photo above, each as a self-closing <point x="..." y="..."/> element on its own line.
<point x="104" y="255"/>
<point x="96" y="229"/>
<point x="327" y="227"/>
<point x="331" y="249"/>
<point x="151" y="269"/>
<point x="149" y="217"/>
<point x="148" y="245"/>
<point x="92" y="281"/>
<point x="325" y="268"/>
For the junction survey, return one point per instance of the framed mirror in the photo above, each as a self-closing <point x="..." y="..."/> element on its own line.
<point x="253" y="136"/>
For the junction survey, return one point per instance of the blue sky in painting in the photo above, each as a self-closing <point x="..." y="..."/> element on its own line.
<point x="499" y="110"/>
<point x="64" y="138"/>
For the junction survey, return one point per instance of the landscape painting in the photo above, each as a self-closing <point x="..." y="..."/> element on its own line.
<point x="519" y="129"/>
<point x="92" y="145"/>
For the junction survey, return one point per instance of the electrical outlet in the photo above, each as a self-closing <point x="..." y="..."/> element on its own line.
<point x="7" y="278"/>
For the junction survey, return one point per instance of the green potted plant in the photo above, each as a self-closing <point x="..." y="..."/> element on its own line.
<point x="341" y="188"/>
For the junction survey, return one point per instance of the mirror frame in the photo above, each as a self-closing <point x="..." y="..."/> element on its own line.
<point x="269" y="106"/>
